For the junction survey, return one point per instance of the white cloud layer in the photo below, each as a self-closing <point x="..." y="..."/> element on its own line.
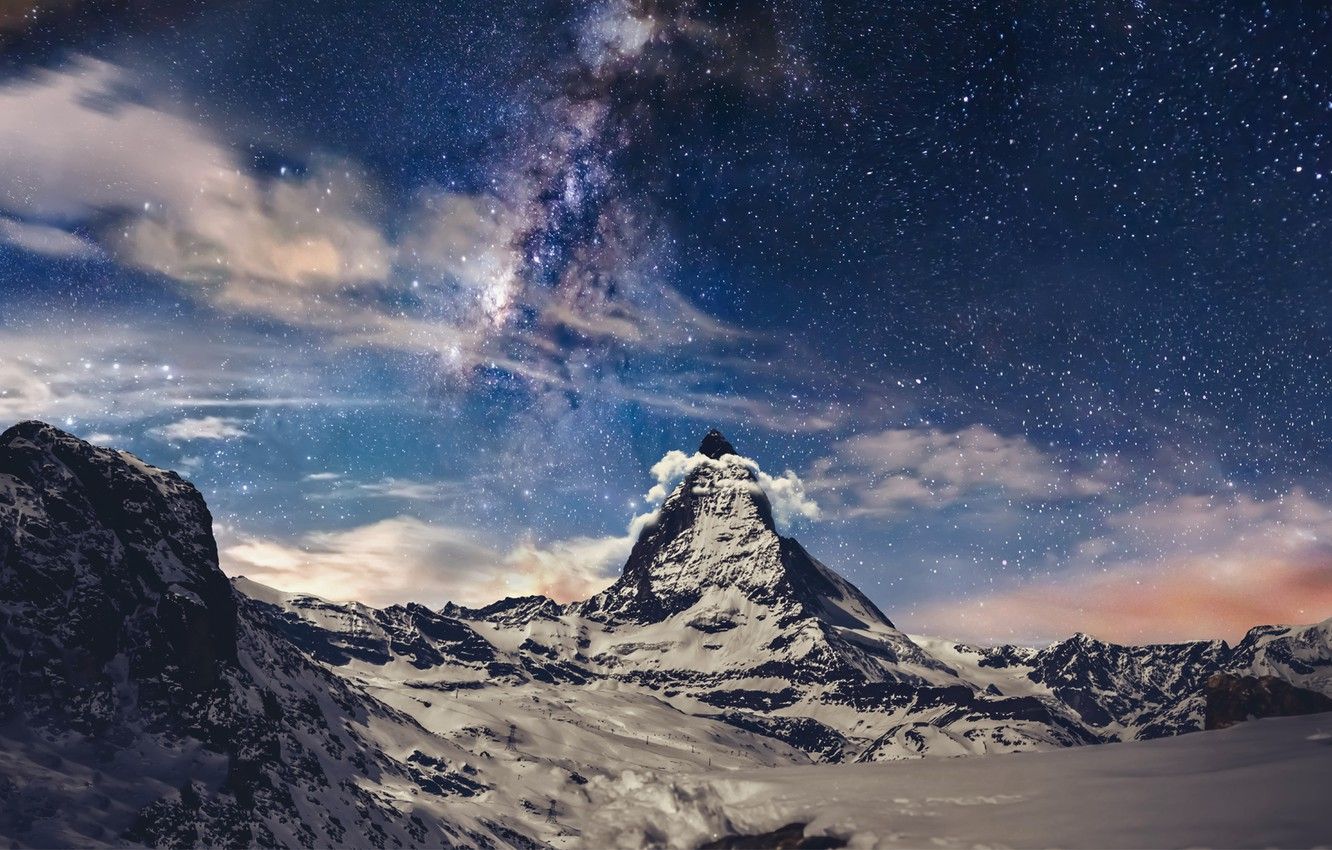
<point x="189" y="210"/>
<point x="47" y="240"/>
<point x="786" y="492"/>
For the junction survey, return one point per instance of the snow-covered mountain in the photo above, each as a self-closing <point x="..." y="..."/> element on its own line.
<point x="719" y="615"/>
<point x="144" y="700"/>
<point x="147" y="699"/>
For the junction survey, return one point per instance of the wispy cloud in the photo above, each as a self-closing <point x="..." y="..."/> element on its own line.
<point x="118" y="371"/>
<point x="202" y="428"/>
<point x="900" y="468"/>
<point x="390" y="487"/>
<point x="1193" y="567"/>
<point x="47" y="240"/>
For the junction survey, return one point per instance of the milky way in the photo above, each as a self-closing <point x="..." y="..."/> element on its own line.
<point x="1025" y="310"/>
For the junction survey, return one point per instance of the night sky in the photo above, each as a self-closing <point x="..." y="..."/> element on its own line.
<point x="1022" y="308"/>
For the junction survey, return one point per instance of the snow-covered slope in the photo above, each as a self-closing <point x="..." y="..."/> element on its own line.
<point x="1141" y="692"/>
<point x="1260" y="784"/>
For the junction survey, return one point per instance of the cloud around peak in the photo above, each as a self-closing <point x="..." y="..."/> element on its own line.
<point x="786" y="492"/>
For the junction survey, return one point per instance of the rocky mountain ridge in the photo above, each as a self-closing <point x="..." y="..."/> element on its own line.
<point x="149" y="700"/>
<point x="146" y="701"/>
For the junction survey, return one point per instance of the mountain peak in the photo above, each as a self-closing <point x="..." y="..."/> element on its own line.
<point x="713" y="543"/>
<point x="715" y="445"/>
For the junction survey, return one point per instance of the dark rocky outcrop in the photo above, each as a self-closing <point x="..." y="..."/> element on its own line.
<point x="103" y="559"/>
<point x="789" y="837"/>
<point x="715" y="445"/>
<point x="1233" y="699"/>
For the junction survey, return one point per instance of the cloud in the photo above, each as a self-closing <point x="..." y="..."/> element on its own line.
<point x="73" y="368"/>
<point x="276" y="247"/>
<point x="389" y="487"/>
<point x="786" y="493"/>
<point x="203" y="428"/>
<point x="101" y="438"/>
<point x="404" y="559"/>
<point x="401" y="488"/>
<point x="92" y="150"/>
<point x="106" y="369"/>
<point x="1193" y="567"/>
<point x="185" y="205"/>
<point x="566" y="570"/>
<point x="160" y="192"/>
<point x="395" y="560"/>
<point x="895" y="469"/>
<point x="46" y="240"/>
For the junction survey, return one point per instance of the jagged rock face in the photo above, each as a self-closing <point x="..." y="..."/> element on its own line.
<point x="1143" y="692"/>
<point x="104" y="558"/>
<point x="144" y="701"/>
<point x="1110" y="685"/>
<point x="340" y="635"/>
<point x="1301" y="656"/>
<point x="715" y="445"/>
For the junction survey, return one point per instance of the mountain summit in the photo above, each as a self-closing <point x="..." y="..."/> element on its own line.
<point x="715" y="445"/>
<point x="714" y="545"/>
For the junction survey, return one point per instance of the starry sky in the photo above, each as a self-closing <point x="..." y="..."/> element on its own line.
<point x="1022" y="308"/>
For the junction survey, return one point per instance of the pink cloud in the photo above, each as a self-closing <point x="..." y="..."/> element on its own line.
<point x="1187" y="569"/>
<point x="404" y="559"/>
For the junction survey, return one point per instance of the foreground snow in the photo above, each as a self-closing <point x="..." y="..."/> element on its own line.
<point x="1259" y="784"/>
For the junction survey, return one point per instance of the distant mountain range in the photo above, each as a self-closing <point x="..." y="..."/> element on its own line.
<point x="145" y="698"/>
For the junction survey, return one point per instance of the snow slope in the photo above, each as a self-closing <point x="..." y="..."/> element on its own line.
<point x="1259" y="784"/>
